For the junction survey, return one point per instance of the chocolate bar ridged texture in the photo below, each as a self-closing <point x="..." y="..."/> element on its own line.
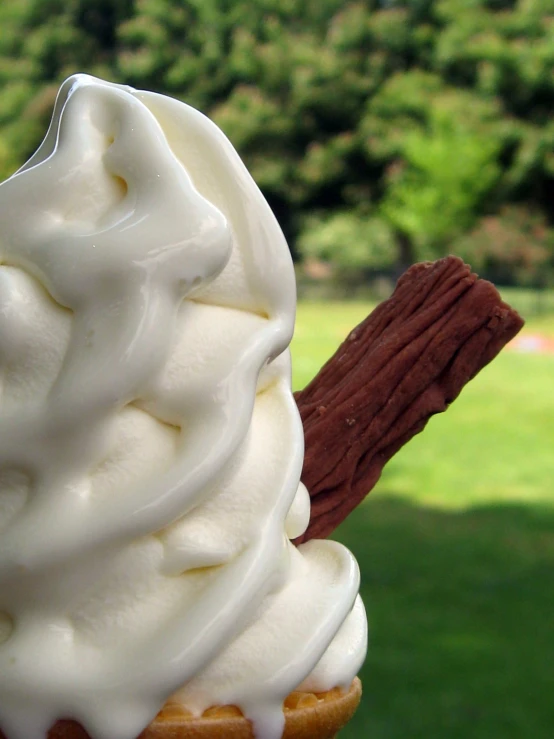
<point x="408" y="360"/>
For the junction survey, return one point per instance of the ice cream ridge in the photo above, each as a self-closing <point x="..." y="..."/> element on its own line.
<point x="151" y="447"/>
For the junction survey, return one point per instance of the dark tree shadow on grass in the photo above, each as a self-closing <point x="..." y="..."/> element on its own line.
<point x="461" y="613"/>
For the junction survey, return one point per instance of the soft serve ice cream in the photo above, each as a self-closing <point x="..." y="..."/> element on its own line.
<point x="150" y="446"/>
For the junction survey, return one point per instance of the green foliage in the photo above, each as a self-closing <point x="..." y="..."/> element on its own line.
<point x="355" y="244"/>
<point x="418" y="119"/>
<point x="436" y="194"/>
<point x="515" y="244"/>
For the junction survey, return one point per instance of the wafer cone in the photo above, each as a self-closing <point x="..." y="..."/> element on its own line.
<point x="307" y="716"/>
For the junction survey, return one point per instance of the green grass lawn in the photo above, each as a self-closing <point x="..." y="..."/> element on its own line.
<point x="456" y="549"/>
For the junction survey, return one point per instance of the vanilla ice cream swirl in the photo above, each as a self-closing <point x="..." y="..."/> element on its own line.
<point x="150" y="446"/>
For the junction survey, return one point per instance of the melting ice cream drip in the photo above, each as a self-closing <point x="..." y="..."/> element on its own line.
<point x="122" y="573"/>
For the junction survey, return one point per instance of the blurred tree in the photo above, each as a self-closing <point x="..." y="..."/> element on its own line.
<point x="437" y="191"/>
<point x="514" y="246"/>
<point x="412" y="118"/>
<point x="355" y="245"/>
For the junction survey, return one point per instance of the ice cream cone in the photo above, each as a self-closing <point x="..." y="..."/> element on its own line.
<point x="307" y="716"/>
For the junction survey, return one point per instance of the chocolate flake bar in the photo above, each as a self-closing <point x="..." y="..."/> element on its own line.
<point x="408" y="360"/>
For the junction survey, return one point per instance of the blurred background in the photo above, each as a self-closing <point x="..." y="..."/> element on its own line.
<point x="383" y="133"/>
